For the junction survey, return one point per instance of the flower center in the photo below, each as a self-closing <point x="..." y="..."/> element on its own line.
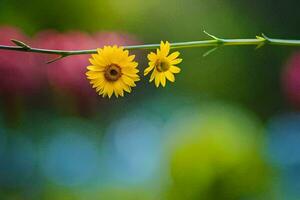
<point x="162" y="65"/>
<point x="112" y="73"/>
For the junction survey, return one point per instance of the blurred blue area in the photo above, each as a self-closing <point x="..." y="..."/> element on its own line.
<point x="284" y="151"/>
<point x="2" y="140"/>
<point x="284" y="139"/>
<point x="136" y="145"/>
<point x="70" y="158"/>
<point x="18" y="163"/>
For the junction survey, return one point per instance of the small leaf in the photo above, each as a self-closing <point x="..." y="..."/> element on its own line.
<point x="260" y="38"/>
<point x="210" y="51"/>
<point x="55" y="59"/>
<point x="20" y="44"/>
<point x="210" y="35"/>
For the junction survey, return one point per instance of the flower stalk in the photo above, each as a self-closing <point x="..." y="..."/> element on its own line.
<point x="259" y="41"/>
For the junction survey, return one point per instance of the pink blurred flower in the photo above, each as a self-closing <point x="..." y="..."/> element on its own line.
<point x="68" y="74"/>
<point x="112" y="38"/>
<point x="19" y="76"/>
<point x="291" y="80"/>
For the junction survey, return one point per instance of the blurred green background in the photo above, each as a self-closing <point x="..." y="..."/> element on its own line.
<point x="228" y="128"/>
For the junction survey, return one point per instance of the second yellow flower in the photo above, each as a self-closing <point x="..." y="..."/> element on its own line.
<point x="162" y="65"/>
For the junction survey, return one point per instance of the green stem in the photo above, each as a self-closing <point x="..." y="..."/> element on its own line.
<point x="215" y="42"/>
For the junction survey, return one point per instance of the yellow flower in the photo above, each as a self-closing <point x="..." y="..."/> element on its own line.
<point x="163" y="65"/>
<point x="112" y="70"/>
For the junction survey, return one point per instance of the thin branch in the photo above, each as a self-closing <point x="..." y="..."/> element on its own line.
<point x="259" y="41"/>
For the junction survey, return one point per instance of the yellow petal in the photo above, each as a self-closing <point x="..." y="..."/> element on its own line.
<point x="103" y="91"/>
<point x="100" y="77"/>
<point x="129" y="70"/>
<point x="93" y="62"/>
<point x="110" y="89"/>
<point x="131" y="75"/>
<point x="157" y="80"/>
<point x="153" y="75"/>
<point x="152" y="63"/>
<point x="99" y="89"/>
<point x="147" y="70"/>
<point x="165" y="48"/>
<point x="151" y="56"/>
<point x="99" y="60"/>
<point x="176" y="61"/>
<point x="157" y="52"/>
<point x="174" y="55"/>
<point x="131" y="58"/>
<point x="174" y="69"/>
<point x="170" y="76"/>
<point x="163" y="79"/>
<point x="116" y="92"/>
<point x="93" y="75"/>
<point x="95" y="68"/>
<point x="128" y="64"/>
<point x="118" y="88"/>
<point x="125" y="87"/>
<point x="126" y="52"/>
<point x="121" y="93"/>
<point x="135" y="79"/>
<point x="128" y="81"/>
<point x="96" y="81"/>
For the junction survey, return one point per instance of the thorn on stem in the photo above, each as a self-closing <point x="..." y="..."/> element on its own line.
<point x="260" y="38"/>
<point x="212" y="36"/>
<point x="20" y="44"/>
<point x="210" y="51"/>
<point x="262" y="42"/>
<point x="55" y="59"/>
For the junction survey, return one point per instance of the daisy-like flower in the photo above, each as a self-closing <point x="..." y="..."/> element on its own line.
<point x="162" y="65"/>
<point x="112" y="70"/>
